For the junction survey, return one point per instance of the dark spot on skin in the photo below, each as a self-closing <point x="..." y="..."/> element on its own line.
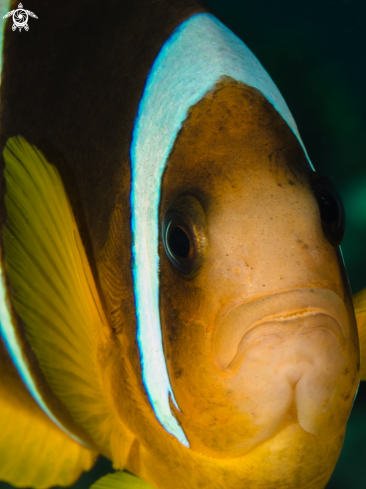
<point x="291" y="182"/>
<point x="279" y="185"/>
<point x="358" y="367"/>
<point x="178" y="373"/>
<point x="346" y="371"/>
<point x="346" y="397"/>
<point x="305" y="247"/>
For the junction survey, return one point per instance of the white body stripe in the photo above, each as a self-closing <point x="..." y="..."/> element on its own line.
<point x="199" y="52"/>
<point x="11" y="343"/>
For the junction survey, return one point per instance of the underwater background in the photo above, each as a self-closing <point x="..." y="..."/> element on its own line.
<point x="315" y="53"/>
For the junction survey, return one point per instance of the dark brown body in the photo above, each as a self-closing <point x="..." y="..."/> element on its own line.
<point x="73" y="83"/>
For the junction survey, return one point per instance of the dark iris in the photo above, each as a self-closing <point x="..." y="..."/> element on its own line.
<point x="330" y="208"/>
<point x="178" y="242"/>
<point x="329" y="211"/>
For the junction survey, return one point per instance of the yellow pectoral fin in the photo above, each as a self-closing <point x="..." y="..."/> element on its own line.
<point x="34" y="452"/>
<point x="359" y="302"/>
<point x="54" y="292"/>
<point x="120" y="480"/>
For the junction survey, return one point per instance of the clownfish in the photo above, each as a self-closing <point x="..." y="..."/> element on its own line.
<point x="172" y="291"/>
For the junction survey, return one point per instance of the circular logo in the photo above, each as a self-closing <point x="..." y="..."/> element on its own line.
<point x="20" y="18"/>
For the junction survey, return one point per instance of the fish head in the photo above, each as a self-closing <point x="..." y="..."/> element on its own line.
<point x="257" y="320"/>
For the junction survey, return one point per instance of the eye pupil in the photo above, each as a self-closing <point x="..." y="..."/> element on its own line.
<point x="178" y="242"/>
<point x="328" y="207"/>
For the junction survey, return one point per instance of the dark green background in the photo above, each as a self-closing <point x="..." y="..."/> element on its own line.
<point x="315" y="52"/>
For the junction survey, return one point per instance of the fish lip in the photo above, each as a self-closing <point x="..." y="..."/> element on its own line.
<point x="258" y="312"/>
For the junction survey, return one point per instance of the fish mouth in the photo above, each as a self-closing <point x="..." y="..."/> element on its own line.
<point x="242" y="325"/>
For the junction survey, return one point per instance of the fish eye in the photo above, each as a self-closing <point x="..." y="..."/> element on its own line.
<point x="184" y="234"/>
<point x="331" y="208"/>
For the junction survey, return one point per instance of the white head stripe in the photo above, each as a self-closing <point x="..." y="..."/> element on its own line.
<point x="199" y="52"/>
<point x="8" y="335"/>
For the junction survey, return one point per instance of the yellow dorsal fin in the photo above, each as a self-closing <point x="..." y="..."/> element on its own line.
<point x="54" y="293"/>
<point x="120" y="480"/>
<point x="34" y="452"/>
<point x="359" y="302"/>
